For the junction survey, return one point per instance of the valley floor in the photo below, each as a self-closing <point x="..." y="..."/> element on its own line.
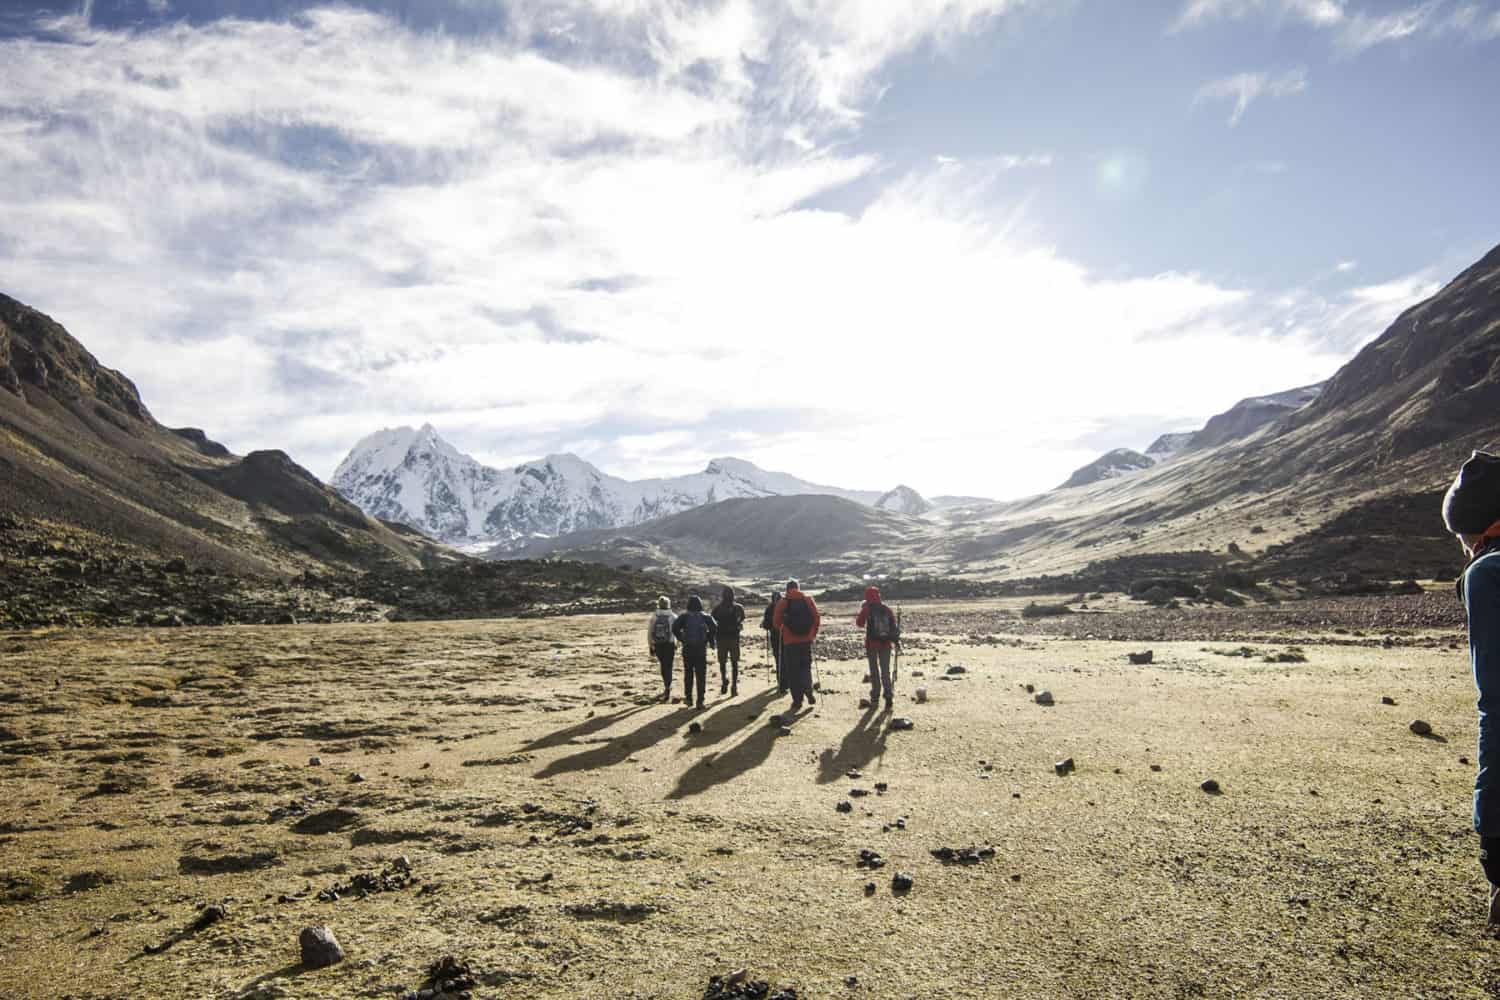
<point x="569" y="837"/>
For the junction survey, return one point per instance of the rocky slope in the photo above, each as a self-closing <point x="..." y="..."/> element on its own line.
<point x="1111" y="465"/>
<point x="904" y="500"/>
<point x="416" y="478"/>
<point x="79" y="449"/>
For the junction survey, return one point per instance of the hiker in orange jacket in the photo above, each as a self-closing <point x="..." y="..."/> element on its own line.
<point x="796" y="619"/>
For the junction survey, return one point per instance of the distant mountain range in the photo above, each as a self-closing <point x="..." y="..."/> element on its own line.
<point x="1236" y="423"/>
<point x="416" y="478"/>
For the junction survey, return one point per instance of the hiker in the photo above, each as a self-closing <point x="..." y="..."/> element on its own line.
<point x="696" y="631"/>
<point x="773" y="640"/>
<point x="1471" y="510"/>
<point x="881" y="634"/>
<point x="797" y="619"/>
<point x="660" y="642"/>
<point x="730" y="618"/>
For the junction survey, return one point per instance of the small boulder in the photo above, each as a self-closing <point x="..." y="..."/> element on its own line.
<point x="1044" y="698"/>
<point x="1421" y="728"/>
<point x="955" y="669"/>
<point x="1064" y="767"/>
<point x="1211" y="787"/>
<point x="845" y="806"/>
<point x="320" y="948"/>
<point x="1140" y="659"/>
<point x="902" y="723"/>
<point x="902" y="882"/>
<point x="1387" y="700"/>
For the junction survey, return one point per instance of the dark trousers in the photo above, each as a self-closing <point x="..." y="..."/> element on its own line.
<point x="729" y="651"/>
<point x="775" y="644"/>
<point x="796" y="664"/>
<point x="694" y="670"/>
<point x="880" y="672"/>
<point x="666" y="652"/>
<point x="1489" y="858"/>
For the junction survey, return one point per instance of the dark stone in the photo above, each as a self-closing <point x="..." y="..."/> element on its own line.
<point x="695" y="728"/>
<point x="1421" y="728"/>
<point x="319" y="947"/>
<point x="902" y="883"/>
<point x="1044" y="698"/>
<point x="1064" y="767"/>
<point x="1211" y="787"/>
<point x="1140" y="659"/>
<point x="1387" y="700"/>
<point x="902" y="723"/>
<point x="327" y="821"/>
<point x="845" y="806"/>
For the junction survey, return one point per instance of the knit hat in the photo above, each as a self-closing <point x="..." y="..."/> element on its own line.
<point x="792" y="585"/>
<point x="1472" y="505"/>
<point x="665" y="604"/>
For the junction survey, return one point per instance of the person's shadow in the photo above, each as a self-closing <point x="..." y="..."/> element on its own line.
<point x="862" y="744"/>
<point x="728" y="720"/>
<point x="619" y="748"/>
<point x="717" y="768"/>
<point x="585" y="728"/>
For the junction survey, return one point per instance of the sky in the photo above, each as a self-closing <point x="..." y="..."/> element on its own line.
<point x="965" y="245"/>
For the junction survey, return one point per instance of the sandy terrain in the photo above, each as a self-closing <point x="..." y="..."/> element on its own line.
<point x="570" y="838"/>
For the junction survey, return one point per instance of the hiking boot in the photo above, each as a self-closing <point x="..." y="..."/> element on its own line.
<point x="734" y="691"/>
<point x="700" y="704"/>
<point x="780" y="692"/>
<point x="796" y="707"/>
<point x="723" y="685"/>
<point x="810" y="699"/>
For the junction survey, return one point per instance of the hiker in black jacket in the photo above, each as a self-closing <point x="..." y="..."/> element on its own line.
<point x="730" y="618"/>
<point x="773" y="639"/>
<point x="696" y="631"/>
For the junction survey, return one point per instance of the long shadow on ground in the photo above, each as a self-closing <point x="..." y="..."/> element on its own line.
<point x="717" y="768"/>
<point x="585" y="728"/>
<point x="619" y="748"/>
<point x="729" y="720"/>
<point x="862" y="744"/>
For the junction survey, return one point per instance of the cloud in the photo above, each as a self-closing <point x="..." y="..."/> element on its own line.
<point x="1243" y="89"/>
<point x="595" y="228"/>
<point x="1320" y="13"/>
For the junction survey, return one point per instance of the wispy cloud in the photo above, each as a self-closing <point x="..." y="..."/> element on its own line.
<point x="1244" y="89"/>
<point x="1321" y="13"/>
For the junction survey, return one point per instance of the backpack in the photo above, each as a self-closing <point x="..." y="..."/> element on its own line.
<point x="880" y="624"/>
<point x="797" y="618"/>
<point x="661" y="629"/>
<point x="694" y="629"/>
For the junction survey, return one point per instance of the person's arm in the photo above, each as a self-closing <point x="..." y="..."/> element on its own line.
<point x="1482" y="599"/>
<point x="713" y="632"/>
<point x="863" y="616"/>
<point x="817" y="618"/>
<point x="651" y="633"/>
<point x="776" y="616"/>
<point x="677" y="625"/>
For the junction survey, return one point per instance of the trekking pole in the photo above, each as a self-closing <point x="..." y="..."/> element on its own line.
<point x="896" y="674"/>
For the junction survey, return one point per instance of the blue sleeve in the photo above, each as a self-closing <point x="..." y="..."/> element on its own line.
<point x="1482" y="601"/>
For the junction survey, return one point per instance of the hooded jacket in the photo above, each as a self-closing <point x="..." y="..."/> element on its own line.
<point x="729" y="615"/>
<point x="788" y="637"/>
<point x="695" y="610"/>
<point x="861" y="620"/>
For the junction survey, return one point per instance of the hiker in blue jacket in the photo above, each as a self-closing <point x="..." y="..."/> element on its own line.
<point x="697" y="632"/>
<point x="1471" y="510"/>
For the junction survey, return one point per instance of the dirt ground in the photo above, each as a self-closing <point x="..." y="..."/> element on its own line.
<point x="569" y="837"/>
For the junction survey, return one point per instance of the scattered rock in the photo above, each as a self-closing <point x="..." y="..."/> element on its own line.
<point x="920" y="694"/>
<point x="1044" y="698"/>
<point x="356" y="778"/>
<point x="319" y="947"/>
<point x="1387" y="700"/>
<point x="328" y="821"/>
<point x="315" y="762"/>
<point x="695" y="728"/>
<point x="955" y="669"/>
<point x="620" y="913"/>
<point x="1211" y="787"/>
<point x="845" y="806"/>
<point x="870" y="859"/>
<point x="902" y="883"/>
<point x="962" y="855"/>
<point x="902" y="723"/>
<point x="1064" y="767"/>
<point x="1156" y="767"/>
<point x="881" y="787"/>
<point x="858" y="793"/>
<point x="1140" y="659"/>
<point x="870" y="888"/>
<point x="1421" y="728"/>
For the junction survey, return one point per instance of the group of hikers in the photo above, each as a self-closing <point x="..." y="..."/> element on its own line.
<point x="791" y="621"/>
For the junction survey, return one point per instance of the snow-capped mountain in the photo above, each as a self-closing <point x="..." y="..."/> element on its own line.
<point x="415" y="477"/>
<point x="1111" y="465"/>
<point x="1169" y="445"/>
<point x="904" y="500"/>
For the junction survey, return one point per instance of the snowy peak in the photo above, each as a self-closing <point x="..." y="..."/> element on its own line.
<point x="1169" y="445"/>
<point x="904" y="500"/>
<point x="417" y="478"/>
<point x="1113" y="465"/>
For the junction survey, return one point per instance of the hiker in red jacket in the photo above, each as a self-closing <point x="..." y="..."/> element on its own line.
<point x="882" y="633"/>
<point x="797" y="620"/>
